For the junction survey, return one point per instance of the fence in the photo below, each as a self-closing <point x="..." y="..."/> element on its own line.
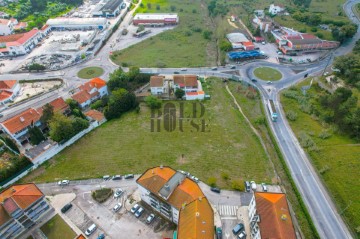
<point x="52" y="151"/>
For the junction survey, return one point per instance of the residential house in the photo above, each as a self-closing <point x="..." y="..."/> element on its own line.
<point x="21" y="207"/>
<point x="19" y="44"/>
<point x="8" y="26"/>
<point x="270" y="216"/>
<point x="9" y="89"/>
<point x="157" y="85"/>
<point x="90" y="92"/>
<point x="17" y="126"/>
<point x="188" y="83"/>
<point x="179" y="199"/>
<point x="263" y="23"/>
<point x="59" y="105"/>
<point x="275" y="9"/>
<point x="97" y="116"/>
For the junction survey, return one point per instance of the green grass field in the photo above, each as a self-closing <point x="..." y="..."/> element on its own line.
<point x="267" y="73"/>
<point x="57" y="228"/>
<point x="183" y="46"/>
<point x="90" y="72"/>
<point x="126" y="145"/>
<point x="336" y="161"/>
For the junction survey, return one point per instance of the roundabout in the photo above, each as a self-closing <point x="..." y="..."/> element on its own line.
<point x="267" y="73"/>
<point x="90" y="72"/>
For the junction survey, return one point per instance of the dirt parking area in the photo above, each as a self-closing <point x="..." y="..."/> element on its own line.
<point x="31" y="89"/>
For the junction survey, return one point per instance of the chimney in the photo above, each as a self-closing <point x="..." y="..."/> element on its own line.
<point x="283" y="217"/>
<point x="167" y="187"/>
<point x="200" y="198"/>
<point x="183" y="205"/>
<point x="22" y="119"/>
<point x="197" y="214"/>
<point x="152" y="171"/>
<point x="13" y="190"/>
<point x="161" y="166"/>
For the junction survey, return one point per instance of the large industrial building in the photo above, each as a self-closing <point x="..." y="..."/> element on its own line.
<point x="77" y="23"/>
<point x="180" y="200"/>
<point x="240" y="41"/>
<point x="156" y="19"/>
<point x="292" y="42"/>
<point x="111" y="8"/>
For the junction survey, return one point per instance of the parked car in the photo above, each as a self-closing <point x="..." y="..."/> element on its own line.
<point x="195" y="179"/>
<point x="242" y="235"/>
<point x="150" y="218"/>
<point x="214" y="68"/>
<point x="116" y="177"/>
<point x="117" y="207"/>
<point x="238" y="228"/>
<point x="232" y="67"/>
<point x="135" y="208"/>
<point x="247" y="186"/>
<point x="218" y="233"/>
<point x="183" y="69"/>
<point x="264" y="187"/>
<point x="181" y="171"/>
<point x="216" y="190"/>
<point x="63" y="182"/>
<point x="263" y="43"/>
<point x="90" y="230"/>
<point x="176" y="72"/>
<point x="118" y="193"/>
<point x="269" y="82"/>
<point x="129" y="176"/>
<point x="66" y="208"/>
<point x="139" y="212"/>
<point x="106" y="177"/>
<point x="101" y="236"/>
<point x="253" y="185"/>
<point x="253" y="80"/>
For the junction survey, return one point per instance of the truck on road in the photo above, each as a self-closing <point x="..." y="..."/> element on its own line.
<point x="272" y="110"/>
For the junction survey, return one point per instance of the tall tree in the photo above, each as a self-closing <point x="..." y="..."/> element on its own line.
<point x="36" y="136"/>
<point x="48" y="113"/>
<point x="120" y="101"/>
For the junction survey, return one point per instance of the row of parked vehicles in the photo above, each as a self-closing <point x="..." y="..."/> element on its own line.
<point x="137" y="210"/>
<point x="118" y="177"/>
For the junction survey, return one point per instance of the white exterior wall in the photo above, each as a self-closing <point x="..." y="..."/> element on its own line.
<point x="175" y="214"/>
<point x="252" y="207"/>
<point x="26" y="47"/>
<point x="275" y="9"/>
<point x="5" y="29"/>
<point x="15" y="91"/>
<point x="85" y="104"/>
<point x="144" y="194"/>
<point x="255" y="230"/>
<point x="157" y="90"/>
<point x="103" y="91"/>
<point x="195" y="97"/>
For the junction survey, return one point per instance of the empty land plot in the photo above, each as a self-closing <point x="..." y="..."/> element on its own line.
<point x="57" y="228"/>
<point x="127" y="145"/>
<point x="183" y="46"/>
<point x="336" y="159"/>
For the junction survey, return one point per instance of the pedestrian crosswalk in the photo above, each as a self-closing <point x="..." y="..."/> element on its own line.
<point x="225" y="210"/>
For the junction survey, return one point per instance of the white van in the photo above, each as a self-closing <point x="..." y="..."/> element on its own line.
<point x="90" y="230"/>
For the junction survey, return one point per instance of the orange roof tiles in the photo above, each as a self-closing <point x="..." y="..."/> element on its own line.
<point x="21" y="25"/>
<point x="155" y="178"/>
<point x="94" y="83"/>
<point x="18" y="39"/>
<point x="247" y="43"/>
<point x="18" y="196"/>
<point x="191" y="93"/>
<point x="7" y="84"/>
<point x="96" y="115"/>
<point x="157" y="81"/>
<point x="81" y="96"/>
<point x="186" y="192"/>
<point x="4" y="94"/>
<point x="186" y="80"/>
<point x="59" y="104"/>
<point x="81" y="236"/>
<point x="22" y="120"/>
<point x="4" y="21"/>
<point x="275" y="218"/>
<point x="196" y="220"/>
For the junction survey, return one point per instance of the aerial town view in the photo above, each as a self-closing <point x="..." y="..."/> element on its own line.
<point x="179" y="119"/>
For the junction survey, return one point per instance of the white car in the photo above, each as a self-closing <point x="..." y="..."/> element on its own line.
<point x="117" y="207"/>
<point x="63" y="182"/>
<point x="195" y="179"/>
<point x="253" y="185"/>
<point x="264" y="187"/>
<point x="150" y="218"/>
<point x="118" y="193"/>
<point x="135" y="208"/>
<point x="183" y="69"/>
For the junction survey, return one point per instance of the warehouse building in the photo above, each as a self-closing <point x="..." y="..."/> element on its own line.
<point x="155" y="19"/>
<point x="19" y="44"/>
<point x="240" y="41"/>
<point x="62" y="24"/>
<point x="292" y="42"/>
<point x="111" y="8"/>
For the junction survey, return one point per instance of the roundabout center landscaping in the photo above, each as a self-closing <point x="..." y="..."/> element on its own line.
<point x="90" y="72"/>
<point x="267" y="74"/>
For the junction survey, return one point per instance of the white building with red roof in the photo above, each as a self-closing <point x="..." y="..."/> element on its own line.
<point x="8" y="26"/>
<point x="90" y="92"/>
<point x="9" y="89"/>
<point x="19" y="44"/>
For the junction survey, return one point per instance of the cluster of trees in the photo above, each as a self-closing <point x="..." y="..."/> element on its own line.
<point x="36" y="67"/>
<point x="128" y="80"/>
<point x="302" y="3"/>
<point x="349" y="67"/>
<point x="344" y="32"/>
<point x="120" y="101"/>
<point x="340" y="108"/>
<point x="310" y="19"/>
<point x="18" y="163"/>
<point x="217" y="8"/>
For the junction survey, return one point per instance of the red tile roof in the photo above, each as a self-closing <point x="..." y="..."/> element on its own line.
<point x="21" y="25"/>
<point x="275" y="218"/>
<point x="157" y="81"/>
<point x="4" y="21"/>
<point x="191" y="93"/>
<point x="44" y="27"/>
<point x="94" y="83"/>
<point x="81" y="96"/>
<point x="247" y="43"/>
<point x="96" y="115"/>
<point x="7" y="84"/>
<point x="187" y="80"/>
<point x="4" y="94"/>
<point x="18" y="39"/>
<point x="22" y="120"/>
<point x="17" y="196"/>
<point x="59" y="105"/>
<point x="81" y="236"/>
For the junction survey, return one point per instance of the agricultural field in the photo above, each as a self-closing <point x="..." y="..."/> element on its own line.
<point x="228" y="150"/>
<point x="183" y="46"/>
<point x="334" y="155"/>
<point x="57" y="228"/>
